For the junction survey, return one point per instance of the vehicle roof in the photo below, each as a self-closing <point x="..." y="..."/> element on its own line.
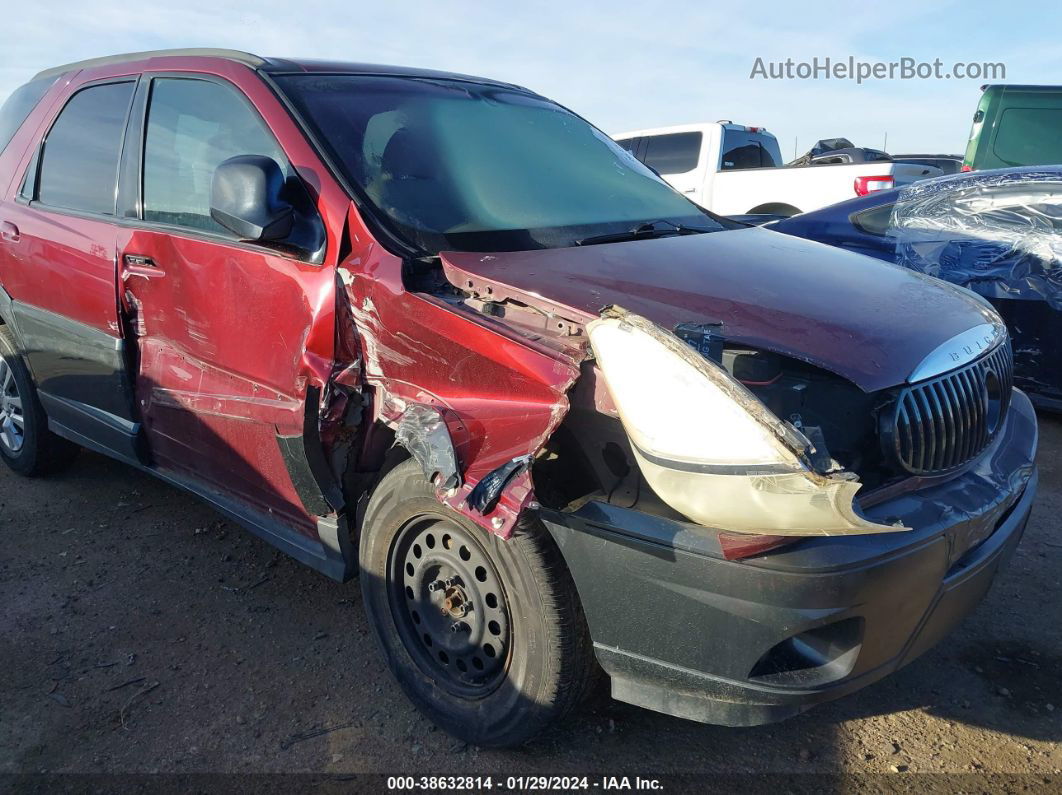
<point x="694" y="127"/>
<point x="1025" y="87"/>
<point x="270" y="65"/>
<point x="944" y="157"/>
<point x="253" y="61"/>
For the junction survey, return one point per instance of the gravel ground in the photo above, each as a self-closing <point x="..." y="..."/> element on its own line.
<point x="143" y="633"/>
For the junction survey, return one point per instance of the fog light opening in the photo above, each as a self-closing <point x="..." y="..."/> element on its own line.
<point x="816" y="657"/>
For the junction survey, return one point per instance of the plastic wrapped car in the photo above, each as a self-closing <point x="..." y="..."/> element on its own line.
<point x="997" y="233"/>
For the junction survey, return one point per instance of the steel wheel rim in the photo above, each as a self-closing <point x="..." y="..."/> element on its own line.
<point x="12" y="419"/>
<point x="449" y="606"/>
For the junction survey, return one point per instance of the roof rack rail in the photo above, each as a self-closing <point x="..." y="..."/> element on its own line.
<point x="203" y="52"/>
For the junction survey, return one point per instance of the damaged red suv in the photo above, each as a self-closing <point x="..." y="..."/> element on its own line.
<point x="441" y="333"/>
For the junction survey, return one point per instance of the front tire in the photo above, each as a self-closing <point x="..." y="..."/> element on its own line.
<point x="26" y="444"/>
<point x="485" y="636"/>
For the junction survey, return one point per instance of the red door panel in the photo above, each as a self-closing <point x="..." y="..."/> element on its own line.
<point x="61" y="275"/>
<point x="63" y="264"/>
<point x="230" y="336"/>
<point x="222" y="332"/>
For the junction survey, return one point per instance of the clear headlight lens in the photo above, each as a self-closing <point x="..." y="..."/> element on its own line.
<point x="672" y="410"/>
<point x="708" y="446"/>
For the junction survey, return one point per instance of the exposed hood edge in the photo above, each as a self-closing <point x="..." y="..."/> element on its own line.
<point x="496" y="291"/>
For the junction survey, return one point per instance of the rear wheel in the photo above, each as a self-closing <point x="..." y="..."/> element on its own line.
<point x="26" y="444"/>
<point x="485" y="636"/>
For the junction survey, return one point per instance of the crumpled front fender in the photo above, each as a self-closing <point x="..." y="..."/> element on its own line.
<point x="498" y="395"/>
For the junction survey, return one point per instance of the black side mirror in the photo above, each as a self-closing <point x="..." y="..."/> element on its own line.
<point x="245" y="198"/>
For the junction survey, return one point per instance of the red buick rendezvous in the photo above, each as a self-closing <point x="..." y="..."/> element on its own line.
<point x="441" y="333"/>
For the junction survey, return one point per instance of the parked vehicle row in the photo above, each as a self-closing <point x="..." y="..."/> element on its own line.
<point x="732" y="169"/>
<point x="438" y="332"/>
<point x="996" y="235"/>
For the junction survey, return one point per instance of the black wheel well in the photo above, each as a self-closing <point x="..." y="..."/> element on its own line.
<point x="382" y="456"/>
<point x="774" y="208"/>
<point x="392" y="458"/>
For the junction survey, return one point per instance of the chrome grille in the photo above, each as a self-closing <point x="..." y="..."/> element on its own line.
<point x="942" y="423"/>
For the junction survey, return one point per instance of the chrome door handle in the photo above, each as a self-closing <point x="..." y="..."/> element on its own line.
<point x="139" y="261"/>
<point x="9" y="232"/>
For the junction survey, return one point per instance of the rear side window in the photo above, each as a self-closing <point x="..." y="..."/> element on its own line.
<point x="674" y="153"/>
<point x="1029" y="136"/>
<point x="874" y="221"/>
<point x="18" y="106"/>
<point x="193" y="126"/>
<point x="79" y="165"/>
<point x="743" y="149"/>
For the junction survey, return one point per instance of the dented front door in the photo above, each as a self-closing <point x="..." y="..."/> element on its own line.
<point x="220" y="334"/>
<point x="228" y="335"/>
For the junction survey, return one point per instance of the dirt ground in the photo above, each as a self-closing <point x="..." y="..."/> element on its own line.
<point x="140" y="632"/>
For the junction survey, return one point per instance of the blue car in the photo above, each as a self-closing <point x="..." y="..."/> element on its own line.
<point x="997" y="233"/>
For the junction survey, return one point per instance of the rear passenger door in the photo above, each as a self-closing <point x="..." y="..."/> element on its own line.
<point x="60" y="248"/>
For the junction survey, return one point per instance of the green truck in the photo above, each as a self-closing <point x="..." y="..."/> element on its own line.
<point x="1015" y="126"/>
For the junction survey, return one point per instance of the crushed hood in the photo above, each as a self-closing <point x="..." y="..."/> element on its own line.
<point x="865" y="320"/>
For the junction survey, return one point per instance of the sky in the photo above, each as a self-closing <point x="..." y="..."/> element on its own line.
<point x="622" y="65"/>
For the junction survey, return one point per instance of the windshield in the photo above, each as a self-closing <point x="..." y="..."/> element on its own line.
<point x="462" y="166"/>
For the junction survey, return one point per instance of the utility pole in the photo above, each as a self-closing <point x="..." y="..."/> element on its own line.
<point x="885" y="146"/>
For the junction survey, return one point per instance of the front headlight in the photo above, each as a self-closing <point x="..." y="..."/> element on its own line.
<point x="708" y="447"/>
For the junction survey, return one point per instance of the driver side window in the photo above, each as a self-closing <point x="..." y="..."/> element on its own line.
<point x="192" y="127"/>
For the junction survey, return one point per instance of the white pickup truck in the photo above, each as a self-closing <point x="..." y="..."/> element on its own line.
<point x="732" y="169"/>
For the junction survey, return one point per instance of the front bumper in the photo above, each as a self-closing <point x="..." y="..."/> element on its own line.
<point x="683" y="631"/>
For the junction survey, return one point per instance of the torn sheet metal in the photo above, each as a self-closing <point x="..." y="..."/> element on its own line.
<point x="484" y="497"/>
<point x="499" y="392"/>
<point x="422" y="431"/>
<point x="684" y="415"/>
